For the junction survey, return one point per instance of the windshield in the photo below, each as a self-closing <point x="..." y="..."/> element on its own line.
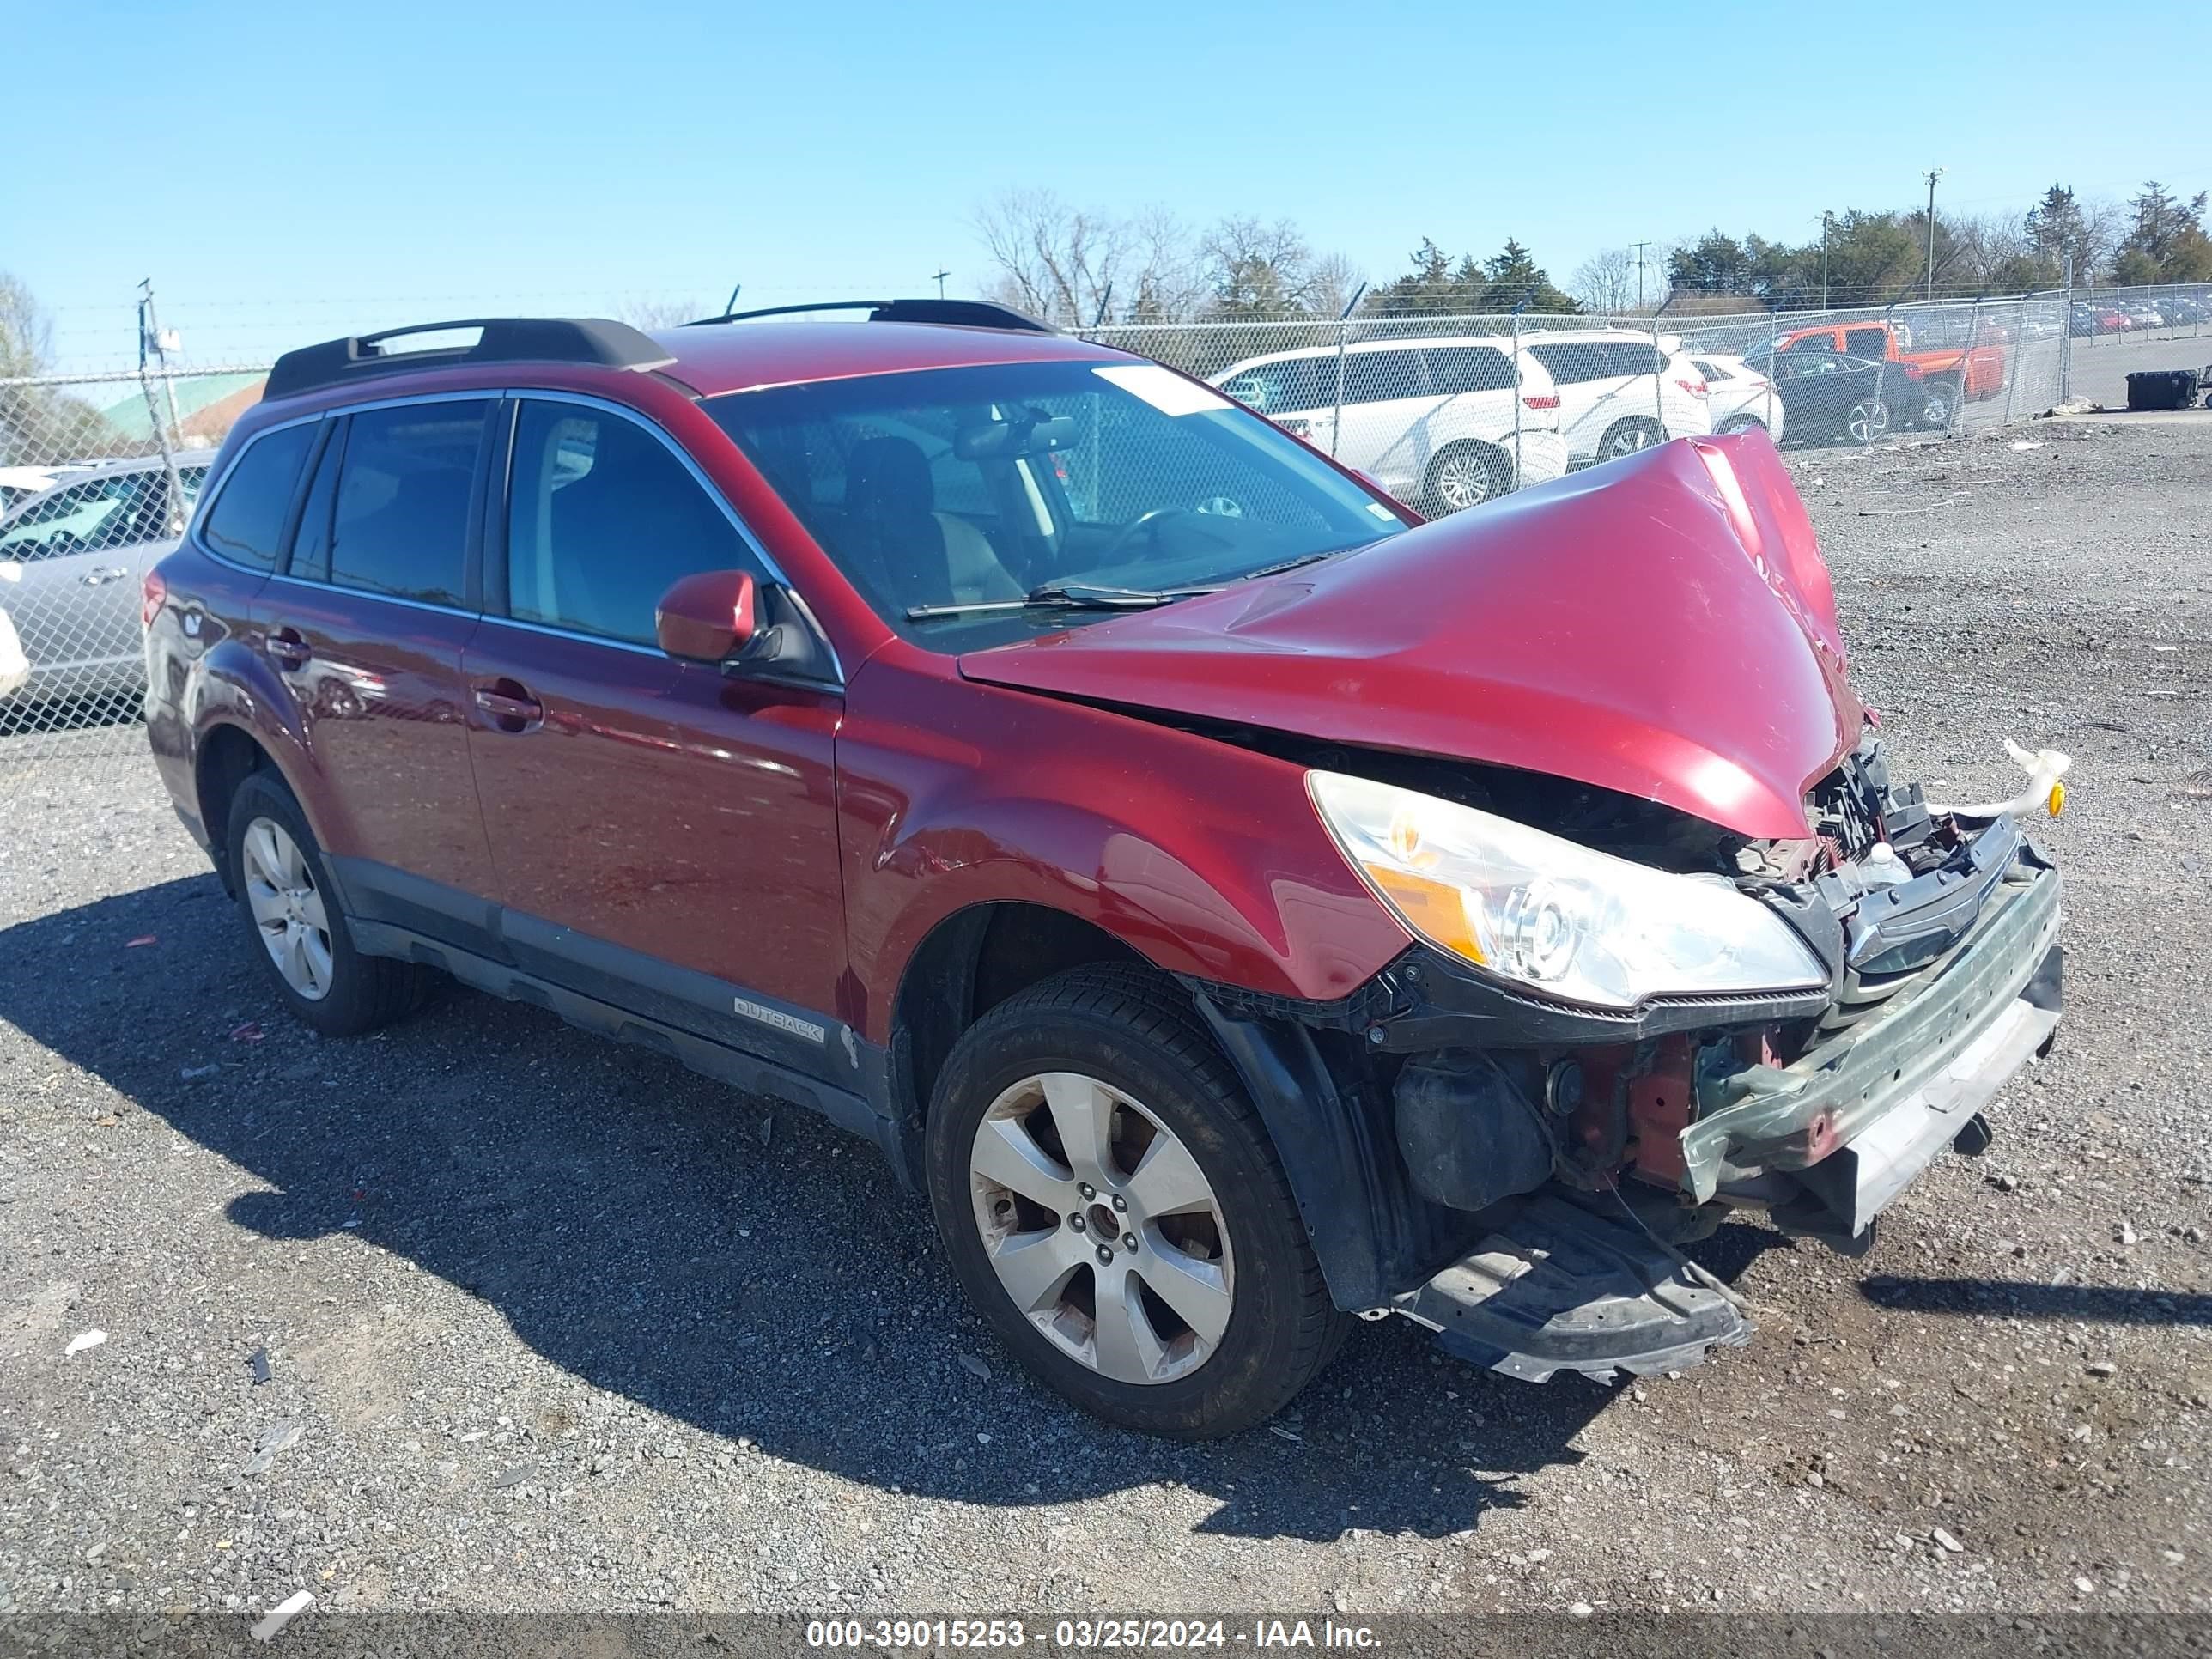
<point x="984" y="497"/>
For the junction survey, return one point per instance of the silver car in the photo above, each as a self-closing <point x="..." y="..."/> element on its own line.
<point x="70" y="560"/>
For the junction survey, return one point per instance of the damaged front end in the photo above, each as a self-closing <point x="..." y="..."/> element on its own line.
<point x="1556" y="1155"/>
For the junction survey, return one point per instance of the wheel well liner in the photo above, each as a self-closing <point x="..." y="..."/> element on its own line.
<point x="968" y="964"/>
<point x="227" y="754"/>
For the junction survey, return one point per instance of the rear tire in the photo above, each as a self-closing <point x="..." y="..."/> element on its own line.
<point x="1461" y="476"/>
<point x="1738" y="423"/>
<point x="295" y="926"/>
<point x="1108" y="1092"/>
<point x="1625" y="438"/>
<point x="1938" y="403"/>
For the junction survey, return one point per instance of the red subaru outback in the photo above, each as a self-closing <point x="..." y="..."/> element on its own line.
<point x="1238" y="905"/>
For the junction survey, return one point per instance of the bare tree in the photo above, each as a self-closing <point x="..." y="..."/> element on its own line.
<point x="647" y="312"/>
<point x="1060" y="263"/>
<point x="1606" y="283"/>
<point x="39" y="425"/>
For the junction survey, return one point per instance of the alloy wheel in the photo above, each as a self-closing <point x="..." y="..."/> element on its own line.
<point x="288" y="909"/>
<point x="1102" y="1228"/>
<point x="1627" y="441"/>
<point x="1867" y="420"/>
<point x="1463" y="480"/>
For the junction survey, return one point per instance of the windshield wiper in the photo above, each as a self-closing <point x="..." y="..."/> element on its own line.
<point x="1064" y="596"/>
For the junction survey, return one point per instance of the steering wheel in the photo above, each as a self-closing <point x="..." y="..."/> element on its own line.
<point x="1127" y="532"/>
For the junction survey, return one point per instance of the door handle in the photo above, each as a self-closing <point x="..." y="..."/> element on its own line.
<point x="105" y="574"/>
<point x="511" y="706"/>
<point x="290" y="650"/>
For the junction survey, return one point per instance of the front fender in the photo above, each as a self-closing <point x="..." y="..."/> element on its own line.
<point x="1204" y="858"/>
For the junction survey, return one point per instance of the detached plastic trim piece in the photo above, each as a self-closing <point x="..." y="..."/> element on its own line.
<point x="1556" y="1287"/>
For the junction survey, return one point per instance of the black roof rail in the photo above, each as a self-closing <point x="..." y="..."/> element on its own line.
<point x="952" y="313"/>
<point x="592" y="340"/>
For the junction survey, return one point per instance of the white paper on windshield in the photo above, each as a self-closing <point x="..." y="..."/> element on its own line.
<point x="1163" y="389"/>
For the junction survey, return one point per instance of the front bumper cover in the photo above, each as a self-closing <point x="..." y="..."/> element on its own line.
<point x="1879" y="1099"/>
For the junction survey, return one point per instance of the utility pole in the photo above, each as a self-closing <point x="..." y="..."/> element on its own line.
<point x="1826" y="219"/>
<point x="939" y="279"/>
<point x="1932" y="175"/>
<point x="1637" y="248"/>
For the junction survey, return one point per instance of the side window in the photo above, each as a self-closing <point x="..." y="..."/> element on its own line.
<point x="399" y="524"/>
<point x="1470" y="368"/>
<point x="601" y="519"/>
<point x="1573" y="363"/>
<point x="1824" y="340"/>
<point x="1633" y="357"/>
<point x="247" y="519"/>
<point x="1374" y="377"/>
<point x="1866" y="342"/>
<point x="95" y="515"/>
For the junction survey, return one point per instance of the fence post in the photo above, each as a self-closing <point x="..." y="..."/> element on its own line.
<point x="1659" y="366"/>
<point x="154" y="421"/>
<point x="2066" y="339"/>
<point x="1773" y="366"/>
<point x="1966" y="368"/>
<point x="2018" y="360"/>
<point x="1517" y="452"/>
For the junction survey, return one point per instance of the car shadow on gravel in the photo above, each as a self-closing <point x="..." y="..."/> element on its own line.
<point x="2096" y="1304"/>
<point x="740" y="1268"/>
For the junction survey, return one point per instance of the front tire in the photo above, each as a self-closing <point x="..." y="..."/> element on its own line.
<point x="1115" y="1209"/>
<point x="1736" y="424"/>
<point x="1625" y="438"/>
<point x="297" y="928"/>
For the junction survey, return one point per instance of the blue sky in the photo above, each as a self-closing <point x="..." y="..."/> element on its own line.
<point x="287" y="173"/>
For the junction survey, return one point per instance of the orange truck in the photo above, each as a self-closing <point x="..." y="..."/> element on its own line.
<point x="1977" y="372"/>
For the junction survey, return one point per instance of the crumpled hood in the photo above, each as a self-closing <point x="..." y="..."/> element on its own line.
<point x="1662" y="626"/>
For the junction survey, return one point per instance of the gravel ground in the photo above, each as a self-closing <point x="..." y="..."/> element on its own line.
<point x="550" y="1324"/>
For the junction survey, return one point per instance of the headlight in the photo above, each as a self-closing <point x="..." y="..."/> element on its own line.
<point x="1581" y="926"/>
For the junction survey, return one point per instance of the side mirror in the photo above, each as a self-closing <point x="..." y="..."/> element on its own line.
<point x="708" y="616"/>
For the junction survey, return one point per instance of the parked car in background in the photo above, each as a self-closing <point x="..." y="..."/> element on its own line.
<point x="1832" y="397"/>
<point x="70" y="561"/>
<point x="1433" y="420"/>
<point x="1739" y="398"/>
<point x="1619" y="392"/>
<point x="18" y="484"/>
<point x="1236" y="908"/>
<point x="1948" y="368"/>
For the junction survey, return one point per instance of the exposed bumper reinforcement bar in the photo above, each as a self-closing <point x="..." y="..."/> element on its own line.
<point x="1556" y="1287"/>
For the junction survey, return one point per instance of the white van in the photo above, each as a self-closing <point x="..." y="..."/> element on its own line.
<point x="1618" y="393"/>
<point x="1434" y="422"/>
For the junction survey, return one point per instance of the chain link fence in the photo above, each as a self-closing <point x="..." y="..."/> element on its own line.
<point x="98" y="474"/>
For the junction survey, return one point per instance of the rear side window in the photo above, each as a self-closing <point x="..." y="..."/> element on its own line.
<point x="246" y="522"/>
<point x="1376" y="377"/>
<point x="1711" y="371"/>
<point x="1470" y="368"/>
<point x="1573" y="363"/>
<point x="1633" y="357"/>
<point x="400" y="521"/>
<point x="602" y="520"/>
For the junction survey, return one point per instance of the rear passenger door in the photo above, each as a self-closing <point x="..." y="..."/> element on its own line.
<point x="665" y="834"/>
<point x="365" y="627"/>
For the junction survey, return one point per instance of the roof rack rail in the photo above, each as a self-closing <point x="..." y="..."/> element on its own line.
<point x="952" y="313"/>
<point x="591" y="340"/>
